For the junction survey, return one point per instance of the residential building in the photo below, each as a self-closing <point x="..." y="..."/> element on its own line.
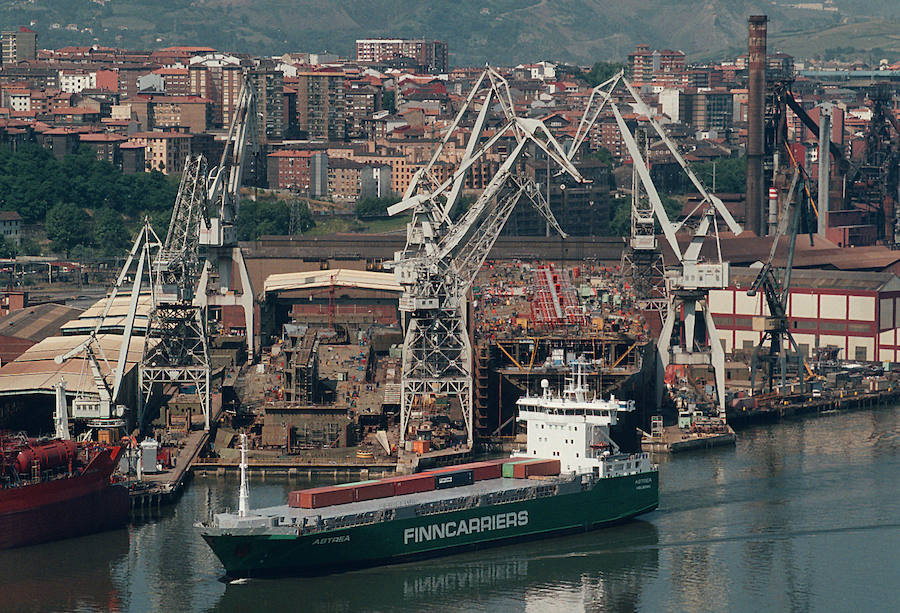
<point x="164" y="151"/>
<point x="344" y="179"/>
<point x="18" y="45"/>
<point x="74" y="81"/>
<point x="268" y="82"/>
<point x="106" y="146"/>
<point x="176" y="81"/>
<point x="11" y="227"/>
<point x="218" y="77"/>
<point x="289" y="169"/>
<point x="647" y="65"/>
<point x="322" y="105"/>
<point x="362" y="102"/>
<point x="133" y="157"/>
<point x="430" y="55"/>
<point x="188" y="112"/>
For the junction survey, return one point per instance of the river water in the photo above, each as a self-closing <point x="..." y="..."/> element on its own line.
<point x="799" y="516"/>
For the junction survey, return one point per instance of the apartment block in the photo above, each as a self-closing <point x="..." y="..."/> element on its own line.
<point x="431" y="55"/>
<point x="164" y="151"/>
<point x="18" y="45"/>
<point x="322" y="105"/>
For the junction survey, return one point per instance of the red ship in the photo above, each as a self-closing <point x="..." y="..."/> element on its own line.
<point x="55" y="489"/>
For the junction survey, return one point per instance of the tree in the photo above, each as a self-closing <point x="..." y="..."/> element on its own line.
<point x="67" y="225"/>
<point x="388" y="101"/>
<point x="731" y="175"/>
<point x="603" y="155"/>
<point x="272" y="217"/>
<point x="303" y="220"/>
<point x="601" y="71"/>
<point x="110" y="232"/>
<point x="374" y="207"/>
<point x="7" y="249"/>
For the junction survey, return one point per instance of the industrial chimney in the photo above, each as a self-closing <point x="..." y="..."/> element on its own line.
<point x="756" y="102"/>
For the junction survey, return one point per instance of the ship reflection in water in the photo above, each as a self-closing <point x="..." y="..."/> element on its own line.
<point x="70" y="575"/>
<point x="596" y="571"/>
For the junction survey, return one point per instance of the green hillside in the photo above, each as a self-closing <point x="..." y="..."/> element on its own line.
<point x="499" y="31"/>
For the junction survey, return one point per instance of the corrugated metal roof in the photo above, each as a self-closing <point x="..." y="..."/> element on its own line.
<point x="339" y="277"/>
<point x="115" y="319"/>
<point x="36" y="371"/>
<point x="749" y="248"/>
<point x="825" y="279"/>
<point x="37" y="322"/>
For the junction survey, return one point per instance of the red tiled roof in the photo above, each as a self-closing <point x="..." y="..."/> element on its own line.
<point x="101" y="137"/>
<point x="291" y="153"/>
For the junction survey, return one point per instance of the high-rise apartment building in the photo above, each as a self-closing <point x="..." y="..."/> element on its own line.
<point x="647" y="66"/>
<point x="431" y="55"/>
<point x="18" y="45"/>
<point x="217" y="77"/>
<point x="322" y="105"/>
<point x="269" y="85"/>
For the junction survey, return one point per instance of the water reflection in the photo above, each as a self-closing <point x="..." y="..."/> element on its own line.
<point x="598" y="571"/>
<point x="70" y="575"/>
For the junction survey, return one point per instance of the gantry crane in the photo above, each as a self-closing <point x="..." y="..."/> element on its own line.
<point x="103" y="408"/>
<point x="689" y="282"/>
<point x="223" y="256"/>
<point x="776" y="332"/>
<point x="177" y="351"/>
<point x="440" y="263"/>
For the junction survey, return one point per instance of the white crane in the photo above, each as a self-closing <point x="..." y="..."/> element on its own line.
<point x="442" y="258"/>
<point x="223" y="193"/>
<point x="689" y="282"/>
<point x="102" y="409"/>
<point x="177" y="350"/>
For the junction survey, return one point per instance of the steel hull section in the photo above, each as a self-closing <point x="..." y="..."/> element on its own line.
<point x="63" y="508"/>
<point x="96" y="511"/>
<point x="267" y="552"/>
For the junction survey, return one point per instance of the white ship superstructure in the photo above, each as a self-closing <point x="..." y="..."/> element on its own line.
<point x="574" y="427"/>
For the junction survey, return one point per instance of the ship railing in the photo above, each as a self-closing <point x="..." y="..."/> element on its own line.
<point x="444" y="506"/>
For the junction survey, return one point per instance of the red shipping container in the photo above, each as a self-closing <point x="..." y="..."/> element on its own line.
<point x="537" y="468"/>
<point x="318" y="497"/>
<point x="412" y="484"/>
<point x="487" y="471"/>
<point x="371" y="491"/>
<point x="472" y="466"/>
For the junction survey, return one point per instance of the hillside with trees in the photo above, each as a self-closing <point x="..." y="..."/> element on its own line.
<point x="81" y="201"/>
<point x="498" y="31"/>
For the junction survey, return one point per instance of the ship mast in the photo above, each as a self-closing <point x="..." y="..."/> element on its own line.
<point x="244" y="493"/>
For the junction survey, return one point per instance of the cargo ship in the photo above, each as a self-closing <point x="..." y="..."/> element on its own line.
<point x="571" y="477"/>
<point x="54" y="489"/>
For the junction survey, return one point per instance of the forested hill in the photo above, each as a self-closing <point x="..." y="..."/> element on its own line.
<point x="498" y="31"/>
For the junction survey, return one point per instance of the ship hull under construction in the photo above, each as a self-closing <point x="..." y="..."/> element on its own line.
<point x="412" y="528"/>
<point x="64" y="508"/>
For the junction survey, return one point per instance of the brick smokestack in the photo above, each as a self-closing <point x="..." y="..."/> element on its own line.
<point x="756" y="102"/>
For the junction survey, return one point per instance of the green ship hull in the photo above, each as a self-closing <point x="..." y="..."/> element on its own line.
<point x="265" y="551"/>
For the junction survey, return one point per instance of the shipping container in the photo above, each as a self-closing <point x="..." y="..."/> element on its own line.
<point x="541" y="468"/>
<point x="487" y="470"/>
<point x="421" y="446"/>
<point x="412" y="484"/>
<point x="453" y="479"/>
<point x="508" y="467"/>
<point x="373" y="490"/>
<point x="321" y="497"/>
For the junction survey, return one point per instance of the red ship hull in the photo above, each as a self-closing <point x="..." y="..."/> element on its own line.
<point x="66" y="507"/>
